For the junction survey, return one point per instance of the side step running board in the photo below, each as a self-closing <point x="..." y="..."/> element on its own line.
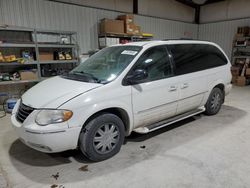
<point x="164" y="123"/>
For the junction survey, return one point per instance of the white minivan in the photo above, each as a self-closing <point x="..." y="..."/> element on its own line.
<point x="140" y="86"/>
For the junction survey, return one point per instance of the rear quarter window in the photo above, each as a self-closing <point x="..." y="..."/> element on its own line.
<point x="190" y="58"/>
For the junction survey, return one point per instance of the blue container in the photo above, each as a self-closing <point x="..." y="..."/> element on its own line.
<point x="10" y="103"/>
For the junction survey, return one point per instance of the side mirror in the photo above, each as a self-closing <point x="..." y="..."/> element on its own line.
<point x="136" y="77"/>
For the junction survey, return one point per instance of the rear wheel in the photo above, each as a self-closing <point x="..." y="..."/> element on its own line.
<point x="214" y="102"/>
<point x="102" y="137"/>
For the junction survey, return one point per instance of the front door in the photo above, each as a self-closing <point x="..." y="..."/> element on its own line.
<point x="155" y="98"/>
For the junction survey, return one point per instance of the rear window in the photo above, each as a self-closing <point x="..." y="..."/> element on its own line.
<point x="190" y="58"/>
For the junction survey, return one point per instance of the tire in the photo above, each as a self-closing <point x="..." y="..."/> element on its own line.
<point x="102" y="137"/>
<point x="214" y="102"/>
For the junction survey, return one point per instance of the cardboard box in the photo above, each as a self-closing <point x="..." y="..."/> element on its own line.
<point x="241" y="81"/>
<point x="111" y="26"/>
<point x="127" y="18"/>
<point x="238" y="36"/>
<point x="132" y="29"/>
<point x="235" y="71"/>
<point x="129" y="26"/>
<point x="46" y="56"/>
<point x="28" y="74"/>
<point x="243" y="30"/>
<point x="108" y="41"/>
<point x="102" y="42"/>
<point x="129" y="29"/>
<point x="137" y="30"/>
<point x="234" y="79"/>
<point x="248" y="72"/>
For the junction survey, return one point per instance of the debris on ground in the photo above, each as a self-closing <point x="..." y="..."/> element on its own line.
<point x="142" y="147"/>
<point x="55" y="186"/>
<point x="55" y="176"/>
<point x="84" y="168"/>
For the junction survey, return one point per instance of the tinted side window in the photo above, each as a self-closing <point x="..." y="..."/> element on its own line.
<point x="196" y="57"/>
<point x="156" y="62"/>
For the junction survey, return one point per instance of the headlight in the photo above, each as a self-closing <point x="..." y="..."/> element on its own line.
<point x="45" y="117"/>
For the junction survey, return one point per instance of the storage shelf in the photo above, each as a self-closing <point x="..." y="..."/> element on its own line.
<point x="123" y="35"/>
<point x="15" y="28"/>
<point x="18" y="45"/>
<point x="131" y="38"/>
<point x="54" y="32"/>
<point x="241" y="57"/>
<point x="242" y="47"/>
<point x="56" y="45"/>
<point x="18" y="82"/>
<point x="59" y="61"/>
<point x="245" y="37"/>
<point x="114" y="35"/>
<point x="240" y="52"/>
<point x="17" y="64"/>
<point x="37" y="47"/>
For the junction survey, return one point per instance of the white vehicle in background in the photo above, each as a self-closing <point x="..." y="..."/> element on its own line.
<point x="139" y="87"/>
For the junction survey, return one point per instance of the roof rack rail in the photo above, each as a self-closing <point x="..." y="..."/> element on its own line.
<point x="179" y="39"/>
<point x="186" y="38"/>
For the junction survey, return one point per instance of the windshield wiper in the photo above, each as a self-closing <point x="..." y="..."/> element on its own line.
<point x="88" y="75"/>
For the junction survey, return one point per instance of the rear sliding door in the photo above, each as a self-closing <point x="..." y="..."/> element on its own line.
<point x="194" y="65"/>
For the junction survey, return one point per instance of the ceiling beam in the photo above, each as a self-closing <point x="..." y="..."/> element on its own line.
<point x="135" y="6"/>
<point x="197" y="7"/>
<point x="190" y="3"/>
<point x="197" y="15"/>
<point x="212" y="1"/>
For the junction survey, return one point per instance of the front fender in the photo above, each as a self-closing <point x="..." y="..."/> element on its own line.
<point x="83" y="113"/>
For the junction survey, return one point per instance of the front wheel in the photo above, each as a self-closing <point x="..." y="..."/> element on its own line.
<point x="214" y="102"/>
<point x="102" y="137"/>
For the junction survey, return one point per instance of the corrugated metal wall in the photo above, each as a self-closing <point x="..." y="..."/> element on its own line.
<point x="57" y="16"/>
<point x="166" y="29"/>
<point x="222" y="32"/>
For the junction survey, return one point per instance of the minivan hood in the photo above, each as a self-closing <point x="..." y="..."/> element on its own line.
<point x="53" y="92"/>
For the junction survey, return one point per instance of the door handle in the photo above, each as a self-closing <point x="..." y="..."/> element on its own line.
<point x="185" y="85"/>
<point x="172" y="88"/>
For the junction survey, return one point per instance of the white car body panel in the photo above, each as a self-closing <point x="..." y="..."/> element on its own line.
<point x="154" y="101"/>
<point x="144" y="103"/>
<point x="58" y="91"/>
<point x="192" y="87"/>
<point x="99" y="99"/>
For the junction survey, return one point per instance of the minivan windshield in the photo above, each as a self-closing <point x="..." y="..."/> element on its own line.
<point x="105" y="65"/>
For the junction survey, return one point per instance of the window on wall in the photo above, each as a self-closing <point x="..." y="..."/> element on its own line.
<point x="196" y="57"/>
<point x="156" y="62"/>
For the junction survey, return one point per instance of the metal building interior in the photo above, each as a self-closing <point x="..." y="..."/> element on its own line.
<point x="41" y="39"/>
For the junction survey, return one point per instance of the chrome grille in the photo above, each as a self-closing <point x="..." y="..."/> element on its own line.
<point x="23" y="112"/>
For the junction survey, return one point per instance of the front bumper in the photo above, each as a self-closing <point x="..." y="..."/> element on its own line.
<point x="48" y="141"/>
<point x="228" y="88"/>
